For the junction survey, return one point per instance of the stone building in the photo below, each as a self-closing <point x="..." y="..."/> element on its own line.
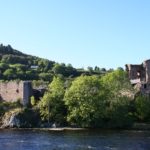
<point x="139" y="76"/>
<point x="12" y="91"/>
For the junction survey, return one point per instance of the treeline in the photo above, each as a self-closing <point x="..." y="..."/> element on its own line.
<point x="17" y="65"/>
<point x="95" y="97"/>
<point x="92" y="101"/>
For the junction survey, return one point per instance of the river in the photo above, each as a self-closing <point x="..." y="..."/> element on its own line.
<point x="74" y="140"/>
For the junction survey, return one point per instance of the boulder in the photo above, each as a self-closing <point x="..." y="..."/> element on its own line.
<point x="20" y="118"/>
<point x="11" y="119"/>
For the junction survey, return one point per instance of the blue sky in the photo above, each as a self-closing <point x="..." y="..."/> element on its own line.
<point x="104" y="33"/>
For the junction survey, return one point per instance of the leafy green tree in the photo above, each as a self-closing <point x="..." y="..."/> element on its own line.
<point x="3" y="66"/>
<point x="20" y="75"/>
<point x="52" y="106"/>
<point x="142" y="105"/>
<point x="97" y="69"/>
<point x="13" y="59"/>
<point x="103" y="69"/>
<point x="120" y="68"/>
<point x="119" y="96"/>
<point x="45" y="76"/>
<point x="9" y="74"/>
<point x="18" y="67"/>
<point x="85" y="102"/>
<point x="70" y="71"/>
<point x="59" y="69"/>
<point x="118" y="113"/>
<point x="118" y="84"/>
<point x="31" y="75"/>
<point x="90" y="69"/>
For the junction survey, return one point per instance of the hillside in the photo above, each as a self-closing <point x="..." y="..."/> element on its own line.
<point x="17" y="65"/>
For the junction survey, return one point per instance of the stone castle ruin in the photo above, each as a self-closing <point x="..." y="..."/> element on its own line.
<point x="12" y="91"/>
<point x="139" y="76"/>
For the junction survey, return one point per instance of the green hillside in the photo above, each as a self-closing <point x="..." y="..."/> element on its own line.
<point x="17" y="65"/>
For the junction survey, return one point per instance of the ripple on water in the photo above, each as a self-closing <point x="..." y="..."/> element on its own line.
<point x="100" y="140"/>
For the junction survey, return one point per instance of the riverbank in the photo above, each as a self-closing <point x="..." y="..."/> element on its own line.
<point x="136" y="126"/>
<point x="141" y="126"/>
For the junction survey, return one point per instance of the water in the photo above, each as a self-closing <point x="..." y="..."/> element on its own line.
<point x="74" y="140"/>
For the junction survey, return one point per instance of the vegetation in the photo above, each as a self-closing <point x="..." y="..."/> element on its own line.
<point x="85" y="102"/>
<point x="82" y="98"/>
<point x="93" y="101"/>
<point x="6" y="106"/>
<point x="142" y="105"/>
<point x="17" y="65"/>
<point x="52" y="106"/>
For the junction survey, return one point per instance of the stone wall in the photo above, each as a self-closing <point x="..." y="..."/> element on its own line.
<point x="12" y="91"/>
<point x="139" y="76"/>
<point x="136" y="72"/>
<point x="146" y="65"/>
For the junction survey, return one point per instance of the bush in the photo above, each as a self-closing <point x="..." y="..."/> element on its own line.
<point x="142" y="105"/>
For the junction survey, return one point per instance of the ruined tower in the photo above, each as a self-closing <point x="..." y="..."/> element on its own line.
<point x="12" y="91"/>
<point x="139" y="76"/>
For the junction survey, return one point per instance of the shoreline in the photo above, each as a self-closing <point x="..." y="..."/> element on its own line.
<point x="136" y="126"/>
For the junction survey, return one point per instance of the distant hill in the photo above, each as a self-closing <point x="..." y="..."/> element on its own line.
<point x="17" y="65"/>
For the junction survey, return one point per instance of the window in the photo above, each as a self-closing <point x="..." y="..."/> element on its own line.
<point x="145" y="86"/>
<point x="138" y="74"/>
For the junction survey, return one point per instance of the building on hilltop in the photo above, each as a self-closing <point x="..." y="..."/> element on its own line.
<point x="139" y="76"/>
<point x="12" y="91"/>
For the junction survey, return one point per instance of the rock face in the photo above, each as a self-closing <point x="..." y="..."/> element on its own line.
<point x="20" y="118"/>
<point x="11" y="119"/>
<point x="14" y="121"/>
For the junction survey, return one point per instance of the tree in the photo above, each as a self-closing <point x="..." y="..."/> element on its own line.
<point x="70" y="71"/>
<point x="118" y="113"/>
<point x="90" y="69"/>
<point x="142" y="105"/>
<point x="3" y="66"/>
<point x="9" y="74"/>
<point x="52" y="106"/>
<point x="85" y="102"/>
<point x="119" y="96"/>
<point x="45" y="76"/>
<point x="59" y="69"/>
<point x="118" y="84"/>
<point x="97" y="69"/>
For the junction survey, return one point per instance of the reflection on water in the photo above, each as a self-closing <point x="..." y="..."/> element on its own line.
<point x="74" y="140"/>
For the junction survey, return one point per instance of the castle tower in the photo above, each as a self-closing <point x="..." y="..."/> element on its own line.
<point x="12" y="91"/>
<point x="27" y="92"/>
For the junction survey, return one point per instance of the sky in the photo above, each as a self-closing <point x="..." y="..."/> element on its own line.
<point x="104" y="33"/>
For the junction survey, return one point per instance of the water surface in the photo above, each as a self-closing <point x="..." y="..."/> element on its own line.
<point x="74" y="140"/>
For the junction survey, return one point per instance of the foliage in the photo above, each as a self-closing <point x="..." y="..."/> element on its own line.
<point x="52" y="106"/>
<point x="29" y="117"/>
<point x="9" y="74"/>
<point x="119" y="96"/>
<point x="45" y="76"/>
<point x="17" y="65"/>
<point x="95" y="102"/>
<point x="85" y="102"/>
<point x="119" y="114"/>
<point x="142" y="105"/>
<point x="117" y="83"/>
<point x="5" y="106"/>
<point x="86" y="98"/>
<point x="33" y="101"/>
